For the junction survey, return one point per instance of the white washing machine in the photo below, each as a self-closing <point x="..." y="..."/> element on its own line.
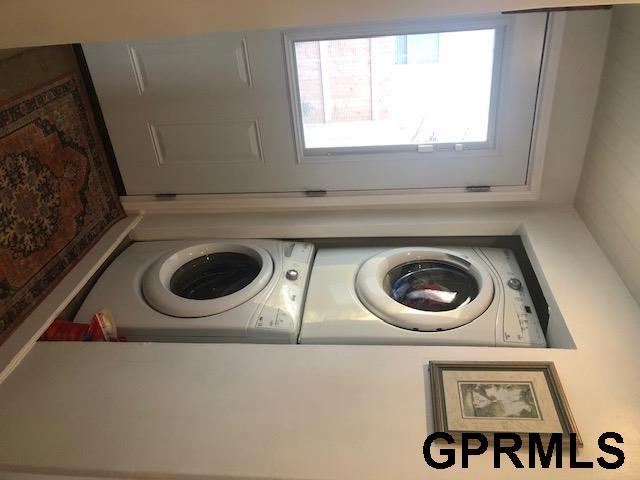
<point x="419" y="296"/>
<point x="205" y="291"/>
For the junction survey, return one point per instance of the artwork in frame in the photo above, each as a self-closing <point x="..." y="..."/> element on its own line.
<point x="492" y="397"/>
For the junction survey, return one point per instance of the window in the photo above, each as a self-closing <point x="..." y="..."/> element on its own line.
<point x="458" y="93"/>
<point x="417" y="48"/>
<point x="436" y="89"/>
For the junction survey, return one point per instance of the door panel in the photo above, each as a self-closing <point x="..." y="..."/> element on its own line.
<point x="199" y="67"/>
<point x="212" y="114"/>
<point x="211" y="143"/>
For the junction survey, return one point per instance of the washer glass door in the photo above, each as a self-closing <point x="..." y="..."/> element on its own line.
<point x="425" y="289"/>
<point x="431" y="286"/>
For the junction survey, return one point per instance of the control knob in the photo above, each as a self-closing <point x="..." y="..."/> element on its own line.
<point x="514" y="283"/>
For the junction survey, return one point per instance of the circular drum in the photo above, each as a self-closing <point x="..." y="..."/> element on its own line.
<point x="424" y="289"/>
<point x="206" y="279"/>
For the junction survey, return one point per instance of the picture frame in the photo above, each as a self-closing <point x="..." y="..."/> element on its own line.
<point x="493" y="397"/>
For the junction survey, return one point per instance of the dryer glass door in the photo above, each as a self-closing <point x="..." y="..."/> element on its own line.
<point x="214" y="275"/>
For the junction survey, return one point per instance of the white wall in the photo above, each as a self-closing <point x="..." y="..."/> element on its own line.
<point x="579" y="70"/>
<point x="608" y="196"/>
<point x="38" y="22"/>
<point x="317" y="411"/>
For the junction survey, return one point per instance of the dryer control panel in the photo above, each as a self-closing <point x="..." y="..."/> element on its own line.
<point x="280" y="317"/>
<point x="521" y="326"/>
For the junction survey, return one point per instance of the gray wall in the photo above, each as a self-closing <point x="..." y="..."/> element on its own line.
<point x="608" y="197"/>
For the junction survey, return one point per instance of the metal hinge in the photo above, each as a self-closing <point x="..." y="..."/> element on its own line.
<point x="165" y="196"/>
<point x="315" y="193"/>
<point x="478" y="188"/>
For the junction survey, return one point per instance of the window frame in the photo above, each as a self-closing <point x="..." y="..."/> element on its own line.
<point x="501" y="24"/>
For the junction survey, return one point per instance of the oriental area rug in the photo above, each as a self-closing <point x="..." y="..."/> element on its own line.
<point x="57" y="195"/>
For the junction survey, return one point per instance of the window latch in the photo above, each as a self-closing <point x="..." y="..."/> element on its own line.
<point x="425" y="148"/>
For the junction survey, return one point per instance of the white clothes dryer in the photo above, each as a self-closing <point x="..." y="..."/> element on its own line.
<point x="205" y="291"/>
<point x="419" y="296"/>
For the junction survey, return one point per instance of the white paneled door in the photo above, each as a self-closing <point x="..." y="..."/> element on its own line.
<point x="214" y="114"/>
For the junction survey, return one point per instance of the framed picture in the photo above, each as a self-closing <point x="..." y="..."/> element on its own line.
<point x="490" y="397"/>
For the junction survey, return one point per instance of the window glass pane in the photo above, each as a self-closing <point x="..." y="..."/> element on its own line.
<point x="423" y="48"/>
<point x="396" y="90"/>
<point x="401" y="49"/>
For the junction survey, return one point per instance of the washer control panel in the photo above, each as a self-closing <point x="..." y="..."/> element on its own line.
<point x="521" y="326"/>
<point x="281" y="315"/>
